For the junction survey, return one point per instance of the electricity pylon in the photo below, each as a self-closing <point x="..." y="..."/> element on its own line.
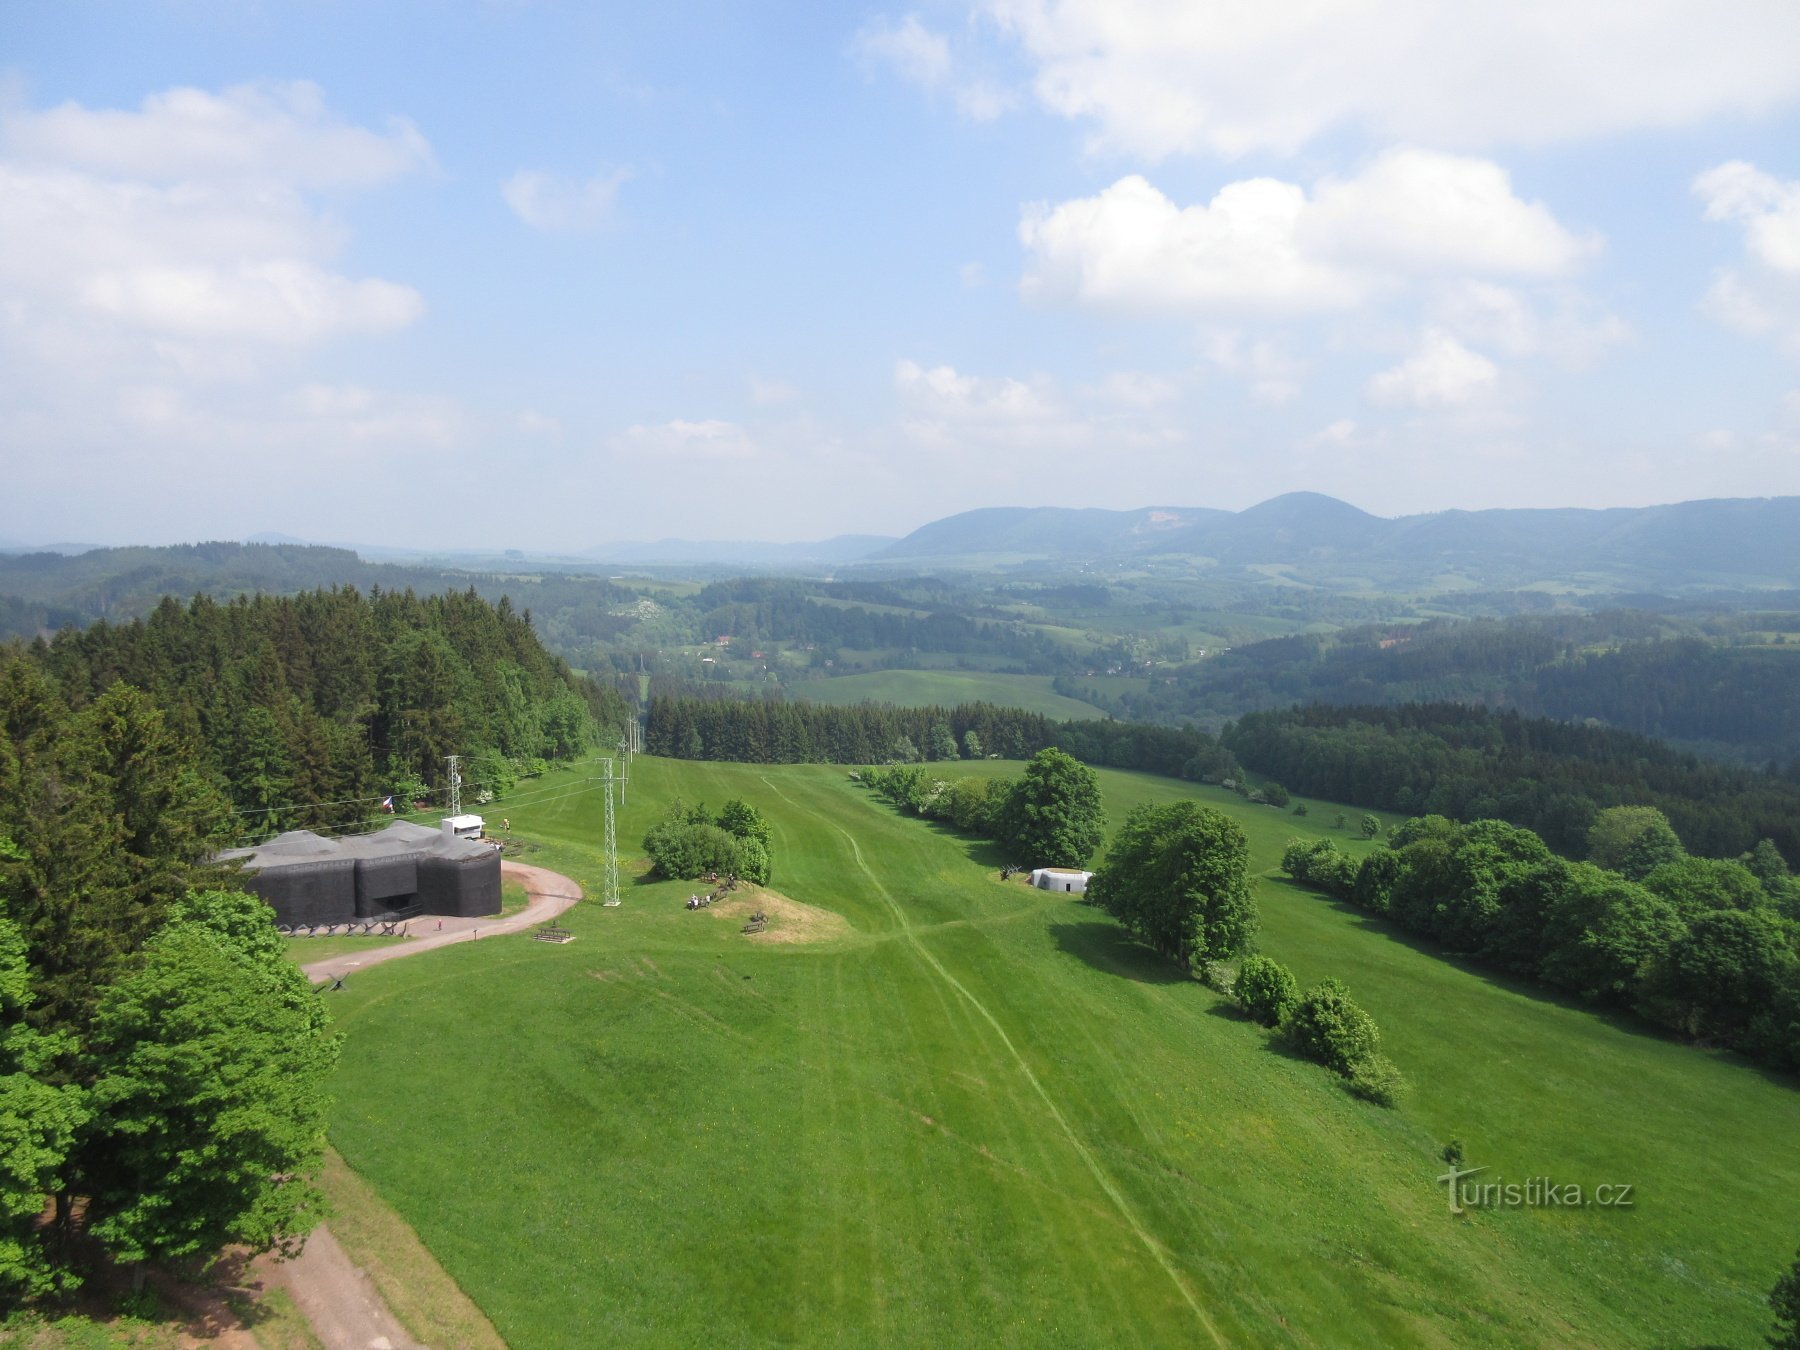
<point x="611" y="887"/>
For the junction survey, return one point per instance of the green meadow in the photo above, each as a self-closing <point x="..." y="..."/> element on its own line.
<point x="946" y="689"/>
<point x="976" y="1114"/>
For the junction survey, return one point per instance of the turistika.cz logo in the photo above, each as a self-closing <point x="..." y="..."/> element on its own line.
<point x="1531" y="1193"/>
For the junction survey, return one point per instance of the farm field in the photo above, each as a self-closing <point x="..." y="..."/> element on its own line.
<point x="946" y="688"/>
<point x="977" y="1114"/>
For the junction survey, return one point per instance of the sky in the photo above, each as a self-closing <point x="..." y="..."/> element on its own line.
<point x="508" y="274"/>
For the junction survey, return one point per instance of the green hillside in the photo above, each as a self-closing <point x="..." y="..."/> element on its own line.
<point x="946" y="689"/>
<point x="976" y="1115"/>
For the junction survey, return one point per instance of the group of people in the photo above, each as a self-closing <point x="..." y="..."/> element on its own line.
<point x="717" y="893"/>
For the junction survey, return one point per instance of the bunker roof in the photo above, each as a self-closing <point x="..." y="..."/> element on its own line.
<point x="399" y="840"/>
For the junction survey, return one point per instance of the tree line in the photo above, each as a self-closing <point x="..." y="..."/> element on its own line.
<point x="1706" y="947"/>
<point x="1705" y="681"/>
<point x="305" y="710"/>
<point x="766" y="731"/>
<point x="1553" y="778"/>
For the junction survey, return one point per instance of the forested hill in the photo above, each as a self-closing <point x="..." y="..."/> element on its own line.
<point x="1723" y="684"/>
<point x="1471" y="764"/>
<point x="308" y="709"/>
<point x="40" y="591"/>
<point x="1684" y="545"/>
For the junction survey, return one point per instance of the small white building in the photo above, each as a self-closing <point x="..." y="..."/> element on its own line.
<point x="1070" y="879"/>
<point x="463" y="827"/>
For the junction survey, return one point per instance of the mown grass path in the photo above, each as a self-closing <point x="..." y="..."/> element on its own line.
<point x="1105" y="1182"/>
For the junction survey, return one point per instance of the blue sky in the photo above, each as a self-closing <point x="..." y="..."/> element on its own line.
<point x="546" y="276"/>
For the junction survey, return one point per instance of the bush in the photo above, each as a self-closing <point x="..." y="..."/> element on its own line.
<point x="1377" y="1079"/>
<point x="685" y="844"/>
<point x="1266" y="990"/>
<point x="1326" y="1025"/>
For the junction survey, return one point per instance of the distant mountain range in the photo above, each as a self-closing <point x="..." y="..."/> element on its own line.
<point x="1724" y="543"/>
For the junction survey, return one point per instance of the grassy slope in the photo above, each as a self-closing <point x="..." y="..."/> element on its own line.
<point x="946" y="688"/>
<point x="985" y="1117"/>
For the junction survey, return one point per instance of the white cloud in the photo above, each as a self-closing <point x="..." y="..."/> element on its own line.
<point x="1768" y="208"/>
<point x="1762" y="297"/>
<point x="1265" y="364"/>
<point x="548" y="202"/>
<point x="1130" y="248"/>
<point x="213" y="240"/>
<point x="1343" y="434"/>
<point x="280" y="300"/>
<point x="1164" y="77"/>
<point x="1441" y="374"/>
<point x="908" y="47"/>
<point x="942" y="392"/>
<point x="280" y="132"/>
<point x="164" y="274"/>
<point x="1264" y="245"/>
<point x="1565" y="327"/>
<point x="707" y="439"/>
<point x="1423" y="211"/>
<point x="924" y="58"/>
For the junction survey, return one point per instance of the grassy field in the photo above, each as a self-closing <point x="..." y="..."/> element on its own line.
<point x="980" y="1116"/>
<point x="946" y="688"/>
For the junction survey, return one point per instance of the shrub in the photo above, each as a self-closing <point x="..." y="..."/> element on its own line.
<point x="1326" y="1025"/>
<point x="1377" y="1079"/>
<point x="1266" y="990"/>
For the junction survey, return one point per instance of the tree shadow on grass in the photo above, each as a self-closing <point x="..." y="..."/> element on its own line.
<point x="1108" y="948"/>
<point x="981" y="851"/>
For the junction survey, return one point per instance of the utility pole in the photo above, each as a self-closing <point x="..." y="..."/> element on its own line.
<point x="455" y="785"/>
<point x="611" y="887"/>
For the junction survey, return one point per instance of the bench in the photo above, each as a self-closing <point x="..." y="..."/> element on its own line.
<point x="549" y="934"/>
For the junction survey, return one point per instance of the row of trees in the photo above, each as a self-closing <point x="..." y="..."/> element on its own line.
<point x="1177" y="877"/>
<point x="1049" y="816"/>
<point x="1700" y="946"/>
<point x="302" y="708"/>
<point x="767" y="731"/>
<point x="1469" y="763"/>
<point x="162" y="1060"/>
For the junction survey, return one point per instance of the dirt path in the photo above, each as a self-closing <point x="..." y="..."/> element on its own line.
<point x="339" y="1300"/>
<point x="550" y="894"/>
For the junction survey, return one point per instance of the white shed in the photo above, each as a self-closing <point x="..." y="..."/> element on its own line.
<point x="1071" y="879"/>
<point x="463" y="827"/>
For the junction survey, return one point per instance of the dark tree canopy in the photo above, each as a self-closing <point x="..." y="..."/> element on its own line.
<point x="1177" y="876"/>
<point x="1052" y="816"/>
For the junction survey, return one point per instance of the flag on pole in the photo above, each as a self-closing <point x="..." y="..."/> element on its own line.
<point x="387" y="804"/>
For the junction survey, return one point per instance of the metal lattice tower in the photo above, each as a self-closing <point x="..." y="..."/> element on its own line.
<point x="611" y="888"/>
<point x="455" y="785"/>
